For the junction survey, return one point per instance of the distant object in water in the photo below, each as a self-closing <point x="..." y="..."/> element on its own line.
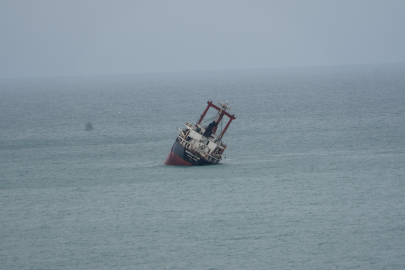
<point x="198" y="144"/>
<point x="89" y="126"/>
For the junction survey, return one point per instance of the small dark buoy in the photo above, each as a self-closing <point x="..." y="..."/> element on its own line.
<point x="89" y="126"/>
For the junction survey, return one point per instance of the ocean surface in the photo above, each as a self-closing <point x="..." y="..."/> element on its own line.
<point x="314" y="176"/>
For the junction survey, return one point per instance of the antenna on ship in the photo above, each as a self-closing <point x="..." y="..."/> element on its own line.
<point x="221" y="113"/>
<point x="231" y="117"/>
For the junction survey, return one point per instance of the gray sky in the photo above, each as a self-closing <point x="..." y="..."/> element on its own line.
<point x="86" y="37"/>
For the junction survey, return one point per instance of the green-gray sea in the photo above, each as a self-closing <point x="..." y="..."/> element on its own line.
<point x="314" y="176"/>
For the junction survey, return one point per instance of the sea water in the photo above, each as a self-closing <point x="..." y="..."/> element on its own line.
<point x="314" y="176"/>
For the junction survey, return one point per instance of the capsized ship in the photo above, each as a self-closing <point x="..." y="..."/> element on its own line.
<point x="198" y="144"/>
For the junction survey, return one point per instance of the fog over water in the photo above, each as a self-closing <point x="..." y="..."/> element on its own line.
<point x="62" y="38"/>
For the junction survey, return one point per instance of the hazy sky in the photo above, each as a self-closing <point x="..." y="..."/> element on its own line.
<point x="85" y="37"/>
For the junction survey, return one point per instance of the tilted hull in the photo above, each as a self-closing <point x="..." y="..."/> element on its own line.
<point x="179" y="155"/>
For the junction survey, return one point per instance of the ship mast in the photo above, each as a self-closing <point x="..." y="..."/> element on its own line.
<point x="221" y="112"/>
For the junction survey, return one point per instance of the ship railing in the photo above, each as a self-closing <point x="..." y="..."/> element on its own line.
<point x="213" y="138"/>
<point x="211" y="158"/>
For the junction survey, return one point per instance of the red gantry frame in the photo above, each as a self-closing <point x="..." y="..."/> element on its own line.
<point x="222" y="112"/>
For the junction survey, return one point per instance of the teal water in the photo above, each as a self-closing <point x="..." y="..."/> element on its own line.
<point x="314" y="176"/>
